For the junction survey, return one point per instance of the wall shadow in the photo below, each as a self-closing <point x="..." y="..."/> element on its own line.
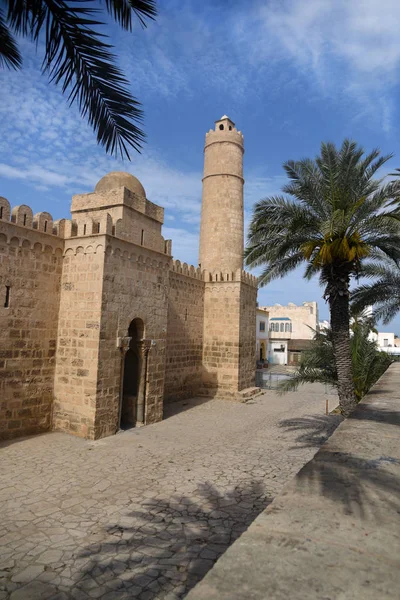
<point x="171" y="409"/>
<point x="168" y="545"/>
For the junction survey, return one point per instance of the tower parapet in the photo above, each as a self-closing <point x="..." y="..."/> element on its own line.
<point x="221" y="232"/>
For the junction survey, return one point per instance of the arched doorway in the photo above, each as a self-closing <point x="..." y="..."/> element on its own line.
<point x="132" y="392"/>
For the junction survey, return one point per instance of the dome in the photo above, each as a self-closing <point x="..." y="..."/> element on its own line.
<point x="117" y="179"/>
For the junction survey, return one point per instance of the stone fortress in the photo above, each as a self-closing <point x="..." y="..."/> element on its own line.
<point x="100" y="325"/>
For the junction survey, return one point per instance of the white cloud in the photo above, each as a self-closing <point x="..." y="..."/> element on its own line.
<point x="34" y="174"/>
<point x="349" y="49"/>
<point x="185" y="244"/>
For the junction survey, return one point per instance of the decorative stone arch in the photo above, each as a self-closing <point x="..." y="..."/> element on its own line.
<point x="134" y="349"/>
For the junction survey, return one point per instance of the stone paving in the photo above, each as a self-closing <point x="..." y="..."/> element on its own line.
<point x="145" y="514"/>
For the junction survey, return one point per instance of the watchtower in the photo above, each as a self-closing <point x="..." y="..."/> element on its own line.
<point x="230" y="293"/>
<point x="221" y="232"/>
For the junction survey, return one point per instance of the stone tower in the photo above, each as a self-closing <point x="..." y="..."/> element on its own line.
<point x="230" y="293"/>
<point x="221" y="233"/>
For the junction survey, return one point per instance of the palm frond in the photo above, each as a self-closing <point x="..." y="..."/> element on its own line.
<point x="383" y="294"/>
<point x="9" y="54"/>
<point x="121" y="11"/>
<point x="318" y="365"/>
<point x="78" y="58"/>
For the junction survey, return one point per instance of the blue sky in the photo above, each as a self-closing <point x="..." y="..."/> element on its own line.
<point x="289" y="73"/>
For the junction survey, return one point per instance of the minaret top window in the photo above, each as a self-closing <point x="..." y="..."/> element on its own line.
<point x="224" y="124"/>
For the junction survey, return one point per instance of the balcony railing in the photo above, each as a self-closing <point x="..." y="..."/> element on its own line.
<point x="280" y="335"/>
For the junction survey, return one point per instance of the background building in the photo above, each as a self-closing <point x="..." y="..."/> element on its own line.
<point x="386" y="342"/>
<point x="262" y="334"/>
<point x="291" y="328"/>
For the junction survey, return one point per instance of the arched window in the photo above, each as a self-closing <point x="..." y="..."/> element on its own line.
<point x="272" y="328"/>
<point x="282" y="326"/>
<point x="287" y="326"/>
<point x="221" y="127"/>
<point x="290" y="328"/>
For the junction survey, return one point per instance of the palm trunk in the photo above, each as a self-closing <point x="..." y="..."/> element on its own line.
<point x="340" y="325"/>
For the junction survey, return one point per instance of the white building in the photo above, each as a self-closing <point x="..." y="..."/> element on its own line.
<point x="324" y="325"/>
<point x="291" y="328"/>
<point x="386" y="342"/>
<point x="262" y="334"/>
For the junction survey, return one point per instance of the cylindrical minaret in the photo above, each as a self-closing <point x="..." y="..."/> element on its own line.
<point x="221" y="230"/>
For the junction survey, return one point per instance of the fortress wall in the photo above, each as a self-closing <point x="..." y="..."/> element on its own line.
<point x="183" y="376"/>
<point x="78" y="335"/>
<point x="30" y="269"/>
<point x="247" y="333"/>
<point x="229" y="333"/>
<point x="221" y="338"/>
<point x="135" y="287"/>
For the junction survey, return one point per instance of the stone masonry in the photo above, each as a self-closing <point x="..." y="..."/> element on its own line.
<point x="100" y="325"/>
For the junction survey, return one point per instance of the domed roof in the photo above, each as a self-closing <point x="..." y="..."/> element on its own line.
<point x="117" y="179"/>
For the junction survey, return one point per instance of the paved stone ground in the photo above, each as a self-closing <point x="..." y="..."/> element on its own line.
<point x="145" y="514"/>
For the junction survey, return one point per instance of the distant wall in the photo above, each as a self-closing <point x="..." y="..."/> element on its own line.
<point x="183" y="372"/>
<point x="30" y="269"/>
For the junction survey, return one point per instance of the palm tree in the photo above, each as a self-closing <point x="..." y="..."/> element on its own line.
<point x="318" y="363"/>
<point x="335" y="214"/>
<point x="78" y="57"/>
<point x="383" y="293"/>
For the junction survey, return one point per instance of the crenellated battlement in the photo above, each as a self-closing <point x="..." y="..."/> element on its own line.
<point x="234" y="137"/>
<point x="22" y="216"/>
<point x="85" y="225"/>
<point x="215" y="276"/>
<point x="185" y="269"/>
<point x="236" y="276"/>
<point x="225" y="131"/>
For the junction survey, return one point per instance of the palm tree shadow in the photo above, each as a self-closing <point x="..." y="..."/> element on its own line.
<point x="313" y="430"/>
<point x="168" y="545"/>
<point x="368" y="412"/>
<point x="363" y="487"/>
